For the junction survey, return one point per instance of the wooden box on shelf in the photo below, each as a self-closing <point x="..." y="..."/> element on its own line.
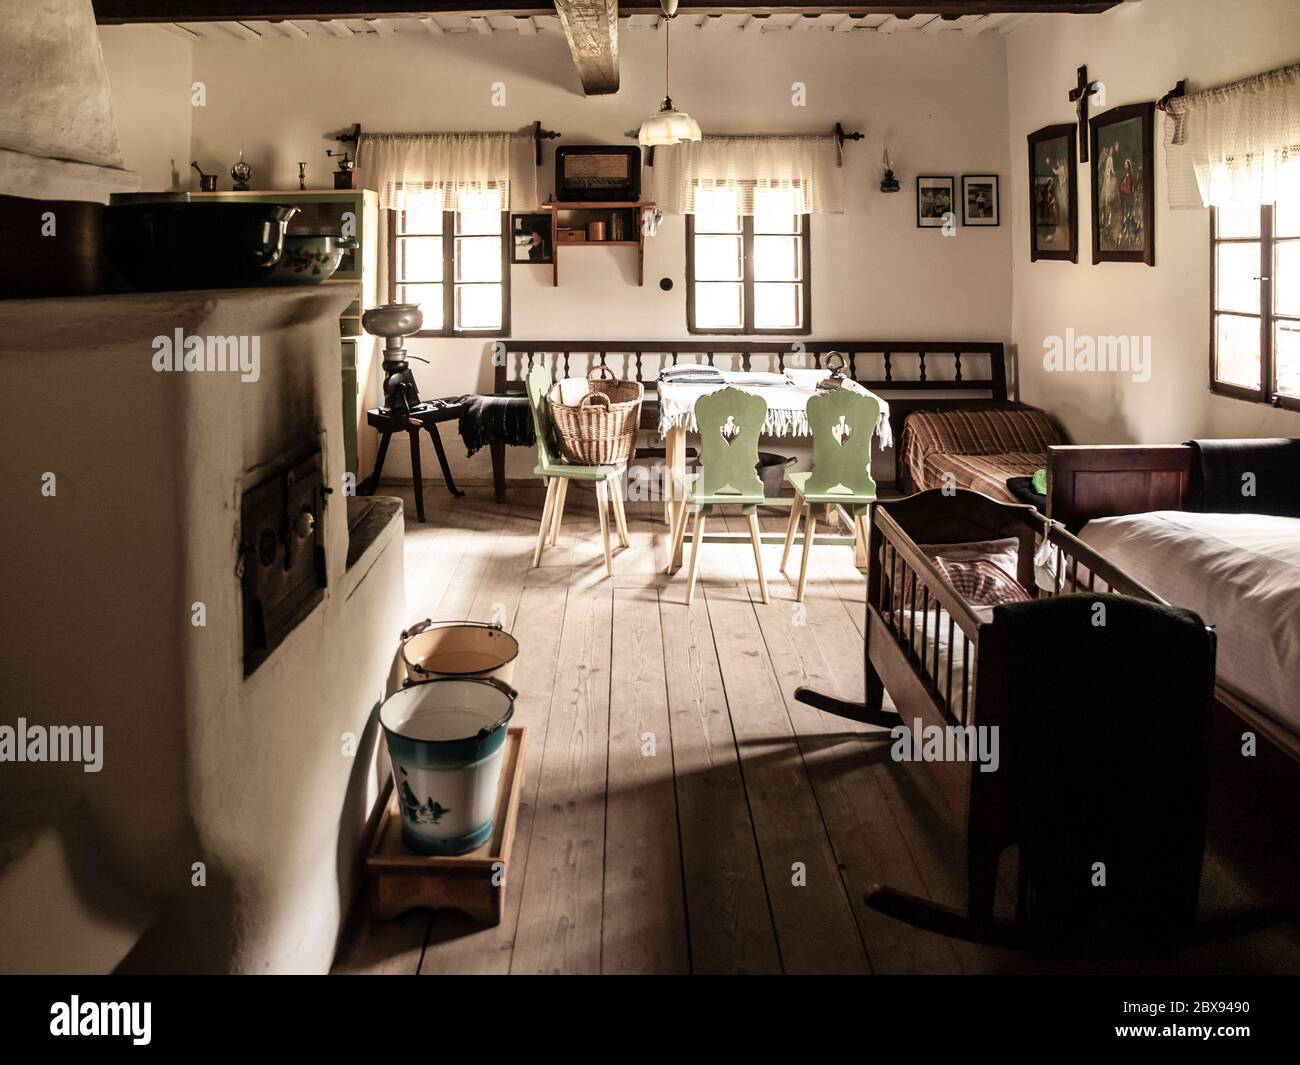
<point x="473" y="883"/>
<point x="572" y="226"/>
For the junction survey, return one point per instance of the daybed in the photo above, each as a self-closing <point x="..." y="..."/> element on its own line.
<point x="976" y="449"/>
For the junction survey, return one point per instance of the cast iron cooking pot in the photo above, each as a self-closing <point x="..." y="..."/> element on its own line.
<point x="156" y="247"/>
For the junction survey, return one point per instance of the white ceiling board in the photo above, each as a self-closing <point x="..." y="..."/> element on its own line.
<point x="532" y="26"/>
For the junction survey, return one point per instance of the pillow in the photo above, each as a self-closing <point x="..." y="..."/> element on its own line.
<point x="981" y="581"/>
<point x="985" y="569"/>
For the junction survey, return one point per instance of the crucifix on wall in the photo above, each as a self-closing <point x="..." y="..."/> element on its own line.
<point x="1079" y="97"/>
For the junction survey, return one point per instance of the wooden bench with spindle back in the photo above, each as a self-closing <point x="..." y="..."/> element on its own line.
<point x="911" y="374"/>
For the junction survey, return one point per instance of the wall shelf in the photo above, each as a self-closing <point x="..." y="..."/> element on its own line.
<point x="619" y="216"/>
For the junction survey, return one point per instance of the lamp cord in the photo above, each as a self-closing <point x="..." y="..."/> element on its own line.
<point x="668" y="25"/>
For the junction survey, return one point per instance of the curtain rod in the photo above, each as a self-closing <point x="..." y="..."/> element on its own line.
<point x="536" y="132"/>
<point x="839" y="135"/>
<point x="1180" y="90"/>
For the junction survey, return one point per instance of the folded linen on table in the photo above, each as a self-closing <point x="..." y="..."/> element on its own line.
<point x="787" y="403"/>
<point x="691" y="372"/>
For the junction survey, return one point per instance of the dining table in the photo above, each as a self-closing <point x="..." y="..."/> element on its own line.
<point x="786" y="394"/>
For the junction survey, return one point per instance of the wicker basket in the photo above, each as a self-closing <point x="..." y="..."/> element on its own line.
<point x="600" y="429"/>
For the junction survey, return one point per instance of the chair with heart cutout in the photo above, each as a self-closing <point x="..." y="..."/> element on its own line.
<point x="729" y="423"/>
<point x="843" y="422"/>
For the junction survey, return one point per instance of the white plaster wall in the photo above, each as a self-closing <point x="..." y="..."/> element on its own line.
<point x="253" y="777"/>
<point x="940" y="101"/>
<point x="149" y="79"/>
<point x="1139" y="51"/>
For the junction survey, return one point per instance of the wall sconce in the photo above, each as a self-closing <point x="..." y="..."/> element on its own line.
<point x="889" y="183"/>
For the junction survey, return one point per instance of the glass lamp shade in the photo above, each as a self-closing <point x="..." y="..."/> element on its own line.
<point x="668" y="127"/>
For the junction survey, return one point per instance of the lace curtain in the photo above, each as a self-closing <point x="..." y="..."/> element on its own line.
<point x="802" y="171"/>
<point x="450" y="164"/>
<point x="1239" y="144"/>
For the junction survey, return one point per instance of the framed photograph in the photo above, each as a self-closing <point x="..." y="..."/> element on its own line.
<point x="935" y="200"/>
<point x="980" y="203"/>
<point x="530" y="238"/>
<point x="1123" y="185"/>
<point x="1054" y="193"/>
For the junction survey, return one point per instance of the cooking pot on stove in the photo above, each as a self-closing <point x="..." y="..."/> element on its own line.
<point x="169" y="246"/>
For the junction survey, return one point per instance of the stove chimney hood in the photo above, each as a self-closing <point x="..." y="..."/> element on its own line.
<point x="58" y="138"/>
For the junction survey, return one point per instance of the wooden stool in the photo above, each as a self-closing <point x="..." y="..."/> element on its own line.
<point x="473" y="883"/>
<point x="426" y="416"/>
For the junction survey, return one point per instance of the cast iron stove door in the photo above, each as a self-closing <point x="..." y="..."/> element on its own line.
<point x="282" y="556"/>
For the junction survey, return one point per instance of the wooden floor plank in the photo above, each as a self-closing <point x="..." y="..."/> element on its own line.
<point x="731" y="927"/>
<point x="644" y="926"/>
<point x="560" y="912"/>
<point x="459" y="551"/>
<point x="371" y="947"/>
<point x="814" y="644"/>
<point x="814" y="920"/>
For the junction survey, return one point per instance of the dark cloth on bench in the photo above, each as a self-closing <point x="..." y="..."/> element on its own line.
<point x="1107" y="766"/>
<point x="1023" y="490"/>
<point x="496" y="420"/>
<point x="1224" y="471"/>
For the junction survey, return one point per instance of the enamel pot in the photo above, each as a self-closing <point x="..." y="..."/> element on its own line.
<point x="458" y="649"/>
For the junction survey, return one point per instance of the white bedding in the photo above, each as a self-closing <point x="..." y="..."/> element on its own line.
<point x="1241" y="574"/>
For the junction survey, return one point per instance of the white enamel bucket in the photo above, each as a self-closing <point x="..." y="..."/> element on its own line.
<point x="445" y="739"/>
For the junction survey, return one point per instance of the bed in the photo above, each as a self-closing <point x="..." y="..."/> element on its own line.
<point x="945" y="660"/>
<point x="1240" y="571"/>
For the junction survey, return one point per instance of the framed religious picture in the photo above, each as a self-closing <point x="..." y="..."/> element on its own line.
<point x="934" y="201"/>
<point x="1054" y="193"/>
<point x="1123" y="185"/>
<point x="980" y="204"/>
<point x="530" y="238"/>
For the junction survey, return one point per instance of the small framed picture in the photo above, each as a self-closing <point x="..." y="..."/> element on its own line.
<point x="530" y="238"/>
<point x="980" y="204"/>
<point x="934" y="201"/>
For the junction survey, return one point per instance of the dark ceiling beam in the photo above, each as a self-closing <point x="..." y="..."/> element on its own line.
<point x="125" y="11"/>
<point x="591" y="28"/>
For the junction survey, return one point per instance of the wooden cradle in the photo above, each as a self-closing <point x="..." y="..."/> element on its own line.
<point x="916" y="636"/>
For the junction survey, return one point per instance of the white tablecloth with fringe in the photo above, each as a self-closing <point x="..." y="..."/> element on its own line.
<point x="786" y="395"/>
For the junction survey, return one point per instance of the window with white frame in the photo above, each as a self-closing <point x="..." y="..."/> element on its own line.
<point x="748" y="273"/>
<point x="453" y="263"/>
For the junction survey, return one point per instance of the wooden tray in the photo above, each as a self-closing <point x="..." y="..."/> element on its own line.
<point x="475" y="883"/>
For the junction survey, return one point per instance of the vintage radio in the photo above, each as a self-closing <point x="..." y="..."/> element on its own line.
<point x="594" y="172"/>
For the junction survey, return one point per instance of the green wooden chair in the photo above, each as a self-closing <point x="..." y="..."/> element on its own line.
<point x="556" y="472"/>
<point x="729" y="422"/>
<point x="843" y="423"/>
